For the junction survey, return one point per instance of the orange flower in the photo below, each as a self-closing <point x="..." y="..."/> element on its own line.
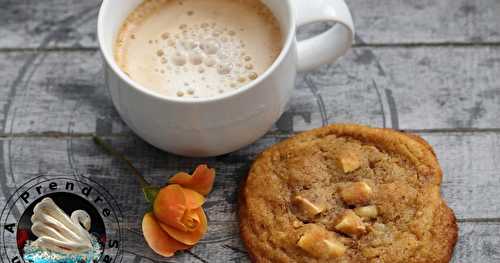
<point x="178" y="220"/>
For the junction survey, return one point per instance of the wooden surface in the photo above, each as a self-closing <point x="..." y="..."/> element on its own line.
<point x="430" y="67"/>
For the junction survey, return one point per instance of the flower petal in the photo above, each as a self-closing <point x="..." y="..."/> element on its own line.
<point x="191" y="220"/>
<point x="201" y="181"/>
<point x="192" y="237"/>
<point x="193" y="198"/>
<point x="157" y="239"/>
<point x="170" y="205"/>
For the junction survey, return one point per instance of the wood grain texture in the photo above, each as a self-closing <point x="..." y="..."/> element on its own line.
<point x="477" y="242"/>
<point x="406" y="88"/>
<point x="426" y="21"/>
<point x="470" y="185"/>
<point x="72" y="23"/>
<point x="428" y="66"/>
<point x="48" y="24"/>
<point x="471" y="165"/>
<point x="470" y="162"/>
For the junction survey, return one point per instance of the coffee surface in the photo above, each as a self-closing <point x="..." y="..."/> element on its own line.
<point x="197" y="48"/>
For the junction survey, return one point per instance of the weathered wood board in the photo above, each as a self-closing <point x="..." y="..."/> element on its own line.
<point x="405" y="88"/>
<point x="426" y="66"/>
<point x="72" y="23"/>
<point x="470" y="162"/>
<point x="470" y="185"/>
<point x="426" y="21"/>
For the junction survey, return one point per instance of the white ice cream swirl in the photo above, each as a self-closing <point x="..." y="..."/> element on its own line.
<point x="56" y="231"/>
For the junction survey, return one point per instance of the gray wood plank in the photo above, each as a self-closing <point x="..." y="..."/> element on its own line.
<point x="72" y="23"/>
<point x="478" y="242"/>
<point x="406" y="88"/>
<point x="48" y="24"/>
<point x="428" y="21"/>
<point x="55" y="92"/>
<point x="471" y="165"/>
<point x="470" y="162"/>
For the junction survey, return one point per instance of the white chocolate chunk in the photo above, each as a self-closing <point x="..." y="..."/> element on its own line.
<point x="367" y="212"/>
<point x="358" y="193"/>
<point x="351" y="224"/>
<point x="321" y="244"/>
<point x="308" y="206"/>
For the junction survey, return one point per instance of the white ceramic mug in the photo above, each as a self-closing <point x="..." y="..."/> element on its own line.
<point x="214" y="126"/>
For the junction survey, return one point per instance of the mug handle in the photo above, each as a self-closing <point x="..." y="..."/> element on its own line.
<point x="330" y="45"/>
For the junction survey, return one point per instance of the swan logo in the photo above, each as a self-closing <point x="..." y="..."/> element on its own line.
<point x="59" y="219"/>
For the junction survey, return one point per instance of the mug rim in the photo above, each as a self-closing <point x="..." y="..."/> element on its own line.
<point x="110" y="61"/>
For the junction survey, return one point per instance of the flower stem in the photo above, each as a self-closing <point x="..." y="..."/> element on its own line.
<point x="149" y="190"/>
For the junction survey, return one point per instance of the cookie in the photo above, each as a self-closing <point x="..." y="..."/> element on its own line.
<point x="347" y="193"/>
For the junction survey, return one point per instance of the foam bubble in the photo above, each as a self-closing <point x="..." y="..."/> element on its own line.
<point x="222" y="55"/>
<point x="210" y="46"/>
<point x="189" y="44"/>
<point x="180" y="93"/>
<point x="224" y="68"/>
<point x="253" y="76"/>
<point x="179" y="59"/>
<point x="249" y="66"/>
<point x="165" y="35"/>
<point x="210" y="62"/>
<point x="195" y="58"/>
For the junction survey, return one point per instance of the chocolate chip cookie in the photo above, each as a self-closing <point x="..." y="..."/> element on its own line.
<point x="347" y="193"/>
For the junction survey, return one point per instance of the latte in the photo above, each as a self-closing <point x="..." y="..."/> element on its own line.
<point x="197" y="48"/>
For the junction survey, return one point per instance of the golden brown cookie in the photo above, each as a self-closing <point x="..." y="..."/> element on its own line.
<point x="347" y="193"/>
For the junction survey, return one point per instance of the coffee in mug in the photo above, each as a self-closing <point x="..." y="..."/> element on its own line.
<point x="197" y="48"/>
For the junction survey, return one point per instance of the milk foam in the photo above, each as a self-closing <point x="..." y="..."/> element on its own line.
<point x="197" y="48"/>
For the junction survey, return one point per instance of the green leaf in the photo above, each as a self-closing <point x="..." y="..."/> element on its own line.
<point x="150" y="193"/>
